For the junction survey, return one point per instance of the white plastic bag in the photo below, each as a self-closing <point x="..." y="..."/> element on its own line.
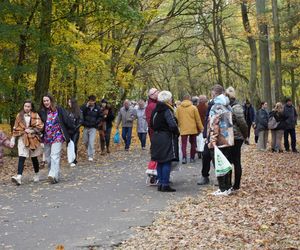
<point x="71" y="152"/>
<point x="222" y="165"/>
<point x="200" y="143"/>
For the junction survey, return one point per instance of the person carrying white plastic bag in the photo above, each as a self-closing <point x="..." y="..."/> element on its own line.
<point x="222" y="165"/>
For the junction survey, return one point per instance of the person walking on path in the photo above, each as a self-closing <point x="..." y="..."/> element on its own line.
<point x="56" y="126"/>
<point x="261" y="124"/>
<point x="106" y="126"/>
<point x="152" y="101"/>
<point x="202" y="108"/>
<point x="240" y="130"/>
<point x="142" y="125"/>
<point x="126" y="116"/>
<point x="4" y="142"/>
<point x="278" y="132"/>
<point x="249" y="114"/>
<point x="190" y="126"/>
<point x="164" y="148"/>
<point x="92" y="117"/>
<point x="206" y="156"/>
<point x="76" y="116"/>
<point x="27" y="129"/>
<point x="221" y="134"/>
<point x="291" y="122"/>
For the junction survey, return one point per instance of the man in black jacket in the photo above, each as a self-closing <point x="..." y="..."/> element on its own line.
<point x="92" y="117"/>
<point x="291" y="122"/>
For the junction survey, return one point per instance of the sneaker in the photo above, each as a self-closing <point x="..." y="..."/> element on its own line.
<point x="143" y="148"/>
<point x="295" y="151"/>
<point x="184" y="161"/>
<point x="91" y="159"/>
<point x="52" y="179"/>
<point x="73" y="165"/>
<point x="36" y="178"/>
<point x="220" y="193"/>
<point x="17" y="179"/>
<point x="102" y="153"/>
<point x="203" y="181"/>
<point x="108" y="151"/>
<point x="192" y="160"/>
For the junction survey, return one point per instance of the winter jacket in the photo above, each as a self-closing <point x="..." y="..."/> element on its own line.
<point x="249" y="114"/>
<point x="188" y="119"/>
<point x="126" y="116"/>
<point x="279" y="117"/>
<point x="261" y="120"/>
<point x="202" y="109"/>
<point x="164" y="142"/>
<point x="4" y="142"/>
<point x="240" y="127"/>
<point x="142" y="125"/>
<point x="109" y="118"/>
<point x="220" y="123"/>
<point x="291" y="114"/>
<point x="65" y="123"/>
<point x="92" y="116"/>
<point x="77" y="121"/>
<point x="148" y="112"/>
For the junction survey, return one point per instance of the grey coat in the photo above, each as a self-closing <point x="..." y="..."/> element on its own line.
<point x="142" y="125"/>
<point x="126" y="117"/>
<point x="240" y="127"/>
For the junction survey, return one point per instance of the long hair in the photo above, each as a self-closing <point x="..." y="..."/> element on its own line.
<point x="74" y="109"/>
<point x="52" y="101"/>
<point x="278" y="107"/>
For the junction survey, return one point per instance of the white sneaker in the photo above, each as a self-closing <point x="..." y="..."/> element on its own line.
<point x="17" y="179"/>
<point x="36" y="178"/>
<point x="72" y="165"/>
<point x="220" y="193"/>
<point x="91" y="159"/>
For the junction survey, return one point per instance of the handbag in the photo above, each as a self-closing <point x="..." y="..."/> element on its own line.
<point x="117" y="137"/>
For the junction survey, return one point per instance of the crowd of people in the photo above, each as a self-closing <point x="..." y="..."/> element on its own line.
<point x="221" y="121"/>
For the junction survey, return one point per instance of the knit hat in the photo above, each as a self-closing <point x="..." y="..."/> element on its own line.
<point x="164" y="96"/>
<point x="153" y="92"/>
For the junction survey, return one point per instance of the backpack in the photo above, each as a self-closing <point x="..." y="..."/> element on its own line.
<point x="272" y="123"/>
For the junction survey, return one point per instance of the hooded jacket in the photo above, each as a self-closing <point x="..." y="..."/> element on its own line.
<point x="220" y="125"/>
<point x="189" y="121"/>
<point x="291" y="114"/>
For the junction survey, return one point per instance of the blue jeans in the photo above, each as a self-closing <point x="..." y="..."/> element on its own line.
<point x="143" y="138"/>
<point x="126" y="135"/>
<point x="163" y="173"/>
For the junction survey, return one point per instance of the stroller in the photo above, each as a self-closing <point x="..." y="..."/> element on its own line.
<point x="151" y="174"/>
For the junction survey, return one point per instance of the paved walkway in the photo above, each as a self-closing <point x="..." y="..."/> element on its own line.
<point x="93" y="205"/>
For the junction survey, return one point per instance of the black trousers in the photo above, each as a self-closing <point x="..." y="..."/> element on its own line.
<point x="292" y="133"/>
<point x="206" y="158"/>
<point x="224" y="181"/>
<point x="21" y="163"/>
<point x="235" y="159"/>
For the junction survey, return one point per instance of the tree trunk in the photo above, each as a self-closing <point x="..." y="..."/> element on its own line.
<point x="44" y="60"/>
<point x="277" y="45"/>
<point x="264" y="51"/>
<point x="294" y="85"/>
<point x="253" y="51"/>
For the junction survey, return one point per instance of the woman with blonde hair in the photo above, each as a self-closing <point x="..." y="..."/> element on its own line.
<point x="278" y="131"/>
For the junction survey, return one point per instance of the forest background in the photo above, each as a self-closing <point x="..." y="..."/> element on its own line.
<point x="119" y="49"/>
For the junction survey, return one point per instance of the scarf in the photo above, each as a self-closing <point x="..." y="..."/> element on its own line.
<point x="31" y="140"/>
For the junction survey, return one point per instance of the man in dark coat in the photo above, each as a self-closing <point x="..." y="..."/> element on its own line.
<point x="249" y="114"/>
<point x="291" y="122"/>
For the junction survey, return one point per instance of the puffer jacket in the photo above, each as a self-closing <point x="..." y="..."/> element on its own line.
<point x="92" y="116"/>
<point x="164" y="142"/>
<point x="189" y="121"/>
<point x="220" y="123"/>
<point x="240" y="127"/>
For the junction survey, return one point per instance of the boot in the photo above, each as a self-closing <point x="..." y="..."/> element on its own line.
<point x="159" y="186"/>
<point x="203" y="181"/>
<point x="167" y="189"/>
<point x="184" y="161"/>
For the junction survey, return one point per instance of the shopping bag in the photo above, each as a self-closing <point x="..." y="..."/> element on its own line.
<point x="117" y="137"/>
<point x="71" y="152"/>
<point x="222" y="165"/>
<point x="200" y="143"/>
<point x="152" y="165"/>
